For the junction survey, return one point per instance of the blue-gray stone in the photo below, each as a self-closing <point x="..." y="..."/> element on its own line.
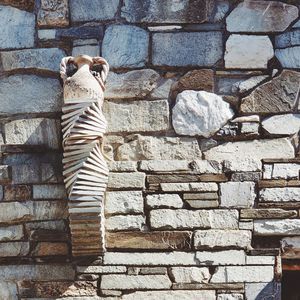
<point x="86" y="31"/>
<point x="289" y="57"/>
<point x="95" y="10"/>
<point x="288" y="39"/>
<point x="125" y="46"/>
<point x="187" y="49"/>
<point x="17" y="28"/>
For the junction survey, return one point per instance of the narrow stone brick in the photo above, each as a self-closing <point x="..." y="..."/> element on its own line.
<point x="17" y="192"/>
<point x="5" y="174"/>
<point x="134" y="180"/>
<point x="272" y="213"/>
<point x="49" y="192"/>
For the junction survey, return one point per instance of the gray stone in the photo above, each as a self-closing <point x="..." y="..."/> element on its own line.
<point x="124" y="202"/>
<point x="18" y="28"/>
<point x="187" y="49"/>
<point x="260" y="260"/>
<point x="47" y="34"/>
<point x="248" y="84"/>
<point x="159" y="148"/>
<point x="228" y="257"/>
<point x="288" y="39"/>
<point x="14" y="249"/>
<point x="137" y="282"/>
<point x="284" y="194"/>
<point x="200" y="113"/>
<point x="128" y="222"/>
<point x="237" y="194"/>
<point x="101" y="269"/>
<point x="164" y="200"/>
<point x="165" y="166"/>
<point x="137" y="84"/>
<point x="239" y="55"/>
<point x="135" y="180"/>
<point x="162" y="91"/>
<point x="277" y="95"/>
<point x="11" y="233"/>
<point x="96" y="10"/>
<point x="37" y="131"/>
<point x="125" y="46"/>
<point x="29" y="94"/>
<point x="247" y="155"/>
<point x="142" y="116"/>
<point x="45" y="59"/>
<point x="122" y="166"/>
<point x="213" y="238"/>
<point x="249" y="119"/>
<point x="289" y="57"/>
<point x="230" y="297"/>
<point x="5" y="174"/>
<point x="8" y="290"/>
<point x="261" y="16"/>
<point x="264" y="290"/>
<point x="190" y="274"/>
<point x="91" y="50"/>
<point x="282" y="124"/>
<point x="277" y="227"/>
<point x="45" y="191"/>
<point x="189" y="187"/>
<point x="250" y="128"/>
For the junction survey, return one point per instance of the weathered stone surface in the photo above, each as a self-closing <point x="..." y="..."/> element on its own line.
<point x="271" y="213"/>
<point x="96" y="10"/>
<point x="129" y="222"/>
<point x="171" y="295"/>
<point x="247" y="155"/>
<point x="162" y="91"/>
<point x="248" y="84"/>
<point x="185" y="49"/>
<point x="250" y="128"/>
<point x="12" y="212"/>
<point x="230" y="296"/>
<point x="125" y="46"/>
<point x="50" y="249"/>
<point x="53" y="13"/>
<point x="134" y="84"/>
<point x="178" y="240"/>
<point x="138" y="282"/>
<point x="150" y="258"/>
<point x="165" y="166"/>
<point x="189" y="187"/>
<point x="37" y="131"/>
<point x="46" y="59"/>
<point x="190" y="274"/>
<point x="8" y="290"/>
<point x="255" y="291"/>
<point x="122" y="166"/>
<point x="91" y="50"/>
<point x="159" y="148"/>
<point x="277" y="227"/>
<point x="142" y="116"/>
<point x="11" y="233"/>
<point x="243" y="274"/>
<point x="285" y="194"/>
<point x="261" y="16"/>
<point x="204" y="239"/>
<point x="238" y="54"/>
<point x="101" y="269"/>
<point x="45" y="191"/>
<point x="288" y="39"/>
<point x="249" y="119"/>
<point x="237" y="194"/>
<point x="282" y="124"/>
<point x="164" y="200"/>
<point x="260" y="260"/>
<point x="29" y="94"/>
<point x="228" y="257"/>
<point x="14" y="249"/>
<point x="288" y="57"/>
<point x="135" y="180"/>
<point x="27" y="5"/>
<point x="200" y="113"/>
<point x="5" y="174"/>
<point x="198" y="203"/>
<point x="124" y="202"/>
<point x="18" y="28"/>
<point x="187" y="219"/>
<point x="277" y="95"/>
<point x="246" y="176"/>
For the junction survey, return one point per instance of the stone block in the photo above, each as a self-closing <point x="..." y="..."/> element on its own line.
<point x="263" y="290"/>
<point x="11" y="233"/>
<point x="237" y="194"/>
<point x="36" y="94"/>
<point x="5" y="174"/>
<point x="128" y="222"/>
<point x="277" y="227"/>
<point x="135" y="180"/>
<point x="91" y="50"/>
<point x="260" y="260"/>
<point x="18" y="28"/>
<point x="44" y="191"/>
<point x="189" y="187"/>
<point x="232" y="296"/>
<point x="190" y="274"/>
<point x="284" y="194"/>
<point x="202" y="203"/>
<point x="143" y="116"/>
<point x="282" y="124"/>
<point x="122" y="166"/>
<point x="12" y="249"/>
<point x="125" y="46"/>
<point x="288" y="39"/>
<point x="267" y="213"/>
<point x="185" y="49"/>
<point x="288" y="57"/>
<point x="101" y="269"/>
<point x="164" y="200"/>
<point x="8" y="290"/>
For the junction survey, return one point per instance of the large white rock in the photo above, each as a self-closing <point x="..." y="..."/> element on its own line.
<point x="228" y="257"/>
<point x="289" y="57"/>
<point x="132" y="180"/>
<point x="277" y="227"/>
<point x="283" y="171"/>
<point x="247" y="155"/>
<point x="248" y="52"/>
<point x="190" y="274"/>
<point x="128" y="222"/>
<point x="282" y="124"/>
<point x="283" y="194"/>
<point x="200" y="113"/>
<point x="164" y="200"/>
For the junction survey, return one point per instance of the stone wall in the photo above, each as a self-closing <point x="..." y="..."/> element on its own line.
<point x="203" y="195"/>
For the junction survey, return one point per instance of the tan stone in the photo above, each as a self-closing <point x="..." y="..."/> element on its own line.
<point x="49" y="249"/>
<point x="272" y="213"/>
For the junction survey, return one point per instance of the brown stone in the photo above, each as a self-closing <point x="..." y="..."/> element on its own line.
<point x="213" y="177"/>
<point x="278" y="183"/>
<point x="177" y="240"/>
<point x="21" y="4"/>
<point x="274" y="213"/>
<point x="200" y="196"/>
<point x="277" y="95"/>
<point x="283" y="205"/>
<point x="17" y="192"/>
<point x="49" y="249"/>
<point x="48" y="235"/>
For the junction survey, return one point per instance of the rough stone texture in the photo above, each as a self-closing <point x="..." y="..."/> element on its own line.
<point x="18" y="28"/>
<point x="287" y="194"/>
<point x="277" y="227"/>
<point x="285" y="171"/>
<point x="50" y="249"/>
<point x="129" y="222"/>
<point x="248" y="52"/>
<point x="27" y="5"/>
<point x="124" y="202"/>
<point x="268" y="213"/>
<point x="37" y="131"/>
<point x="260" y="260"/>
<point x="128" y="282"/>
<point x="247" y="155"/>
<point x="204" y="239"/>
<point x="261" y="16"/>
<point x="161" y="148"/>
<point x="277" y="95"/>
<point x="189" y="187"/>
<point x="11" y="233"/>
<point x="186" y="49"/>
<point x="141" y="116"/>
<point x="35" y="94"/>
<point x="282" y="124"/>
<point x="45" y="59"/>
<point x="14" y="249"/>
<point x="96" y="10"/>
<point x="200" y="113"/>
<point x="134" y="180"/>
<point x="136" y="84"/>
<point x="288" y="39"/>
<point x="91" y="50"/>
<point x="45" y="191"/>
<point x="5" y="174"/>
<point x="8" y="290"/>
<point x="237" y="194"/>
<point x="122" y="166"/>
<point x="101" y="269"/>
<point x="178" y="240"/>
<point x="183" y="219"/>
<point x="229" y="257"/>
<point x="230" y="297"/>
<point x="255" y="291"/>
<point x="248" y="84"/>
<point x="190" y="274"/>
<point x="53" y="13"/>
<point x="125" y="46"/>
<point x="288" y="57"/>
<point x="164" y="200"/>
